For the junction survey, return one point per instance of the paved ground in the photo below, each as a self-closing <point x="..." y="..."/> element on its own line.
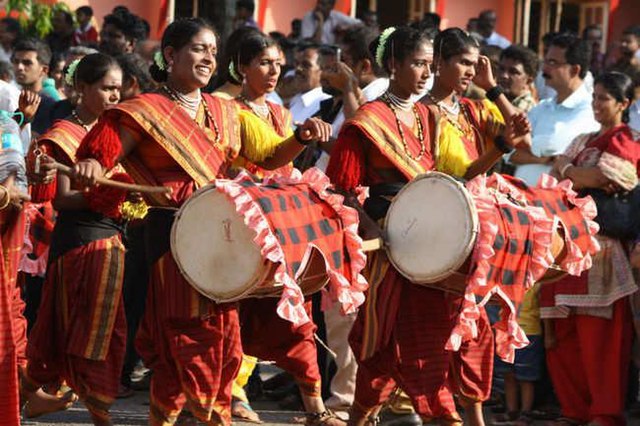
<point x="133" y="411"/>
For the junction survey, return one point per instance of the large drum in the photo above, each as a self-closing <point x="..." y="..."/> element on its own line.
<point x="431" y="229"/>
<point x="217" y="255"/>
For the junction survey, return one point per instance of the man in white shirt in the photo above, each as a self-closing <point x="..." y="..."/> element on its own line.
<point x="556" y="121"/>
<point x="634" y="116"/>
<point x="487" y="29"/>
<point x="322" y="22"/>
<point x="307" y="74"/>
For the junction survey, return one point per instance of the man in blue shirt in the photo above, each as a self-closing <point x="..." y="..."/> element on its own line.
<point x="556" y="121"/>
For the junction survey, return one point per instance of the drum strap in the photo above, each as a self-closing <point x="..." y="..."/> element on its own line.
<point x="380" y="197"/>
<point x="157" y="233"/>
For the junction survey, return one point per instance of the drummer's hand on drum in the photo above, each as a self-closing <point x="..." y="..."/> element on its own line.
<point x="517" y="130"/>
<point x="88" y="171"/>
<point x="314" y="130"/>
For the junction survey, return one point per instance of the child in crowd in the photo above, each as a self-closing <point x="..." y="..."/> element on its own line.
<point x="521" y="376"/>
<point x="85" y="34"/>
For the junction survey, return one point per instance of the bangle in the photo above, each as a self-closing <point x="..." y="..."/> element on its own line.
<point x="298" y="136"/>
<point x="500" y="142"/>
<point x="494" y="93"/>
<point x="6" y="195"/>
<point x="564" y="169"/>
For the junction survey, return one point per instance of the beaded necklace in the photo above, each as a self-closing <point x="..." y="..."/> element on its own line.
<point x="262" y="111"/>
<point x="398" y="102"/>
<point x="423" y="149"/>
<point x="75" y="115"/>
<point x="452" y="114"/>
<point x="175" y="96"/>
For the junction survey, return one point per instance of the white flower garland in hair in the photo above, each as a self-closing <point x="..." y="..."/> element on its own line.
<point x="381" y="45"/>
<point x="158" y="59"/>
<point x="69" y="77"/>
<point x="233" y="73"/>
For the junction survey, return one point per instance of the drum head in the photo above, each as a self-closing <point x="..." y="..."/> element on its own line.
<point x="431" y="228"/>
<point x="214" y="249"/>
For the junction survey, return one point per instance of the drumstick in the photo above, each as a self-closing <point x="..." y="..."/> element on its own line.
<point x="131" y="187"/>
<point x="372" y="245"/>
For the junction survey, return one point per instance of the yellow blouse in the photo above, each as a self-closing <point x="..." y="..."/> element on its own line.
<point x="462" y="142"/>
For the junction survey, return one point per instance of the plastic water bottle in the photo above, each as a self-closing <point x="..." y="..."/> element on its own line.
<point x="12" y="152"/>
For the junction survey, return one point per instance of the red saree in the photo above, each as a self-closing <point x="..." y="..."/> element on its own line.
<point x="389" y="336"/>
<point x="12" y="323"/>
<point x="592" y="321"/>
<point x="191" y="343"/>
<point x="79" y="333"/>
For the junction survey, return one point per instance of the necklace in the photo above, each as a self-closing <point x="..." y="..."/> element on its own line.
<point x="451" y="113"/>
<point x="74" y="114"/>
<point x="453" y="110"/>
<point x="423" y="148"/>
<point x="261" y="111"/>
<point x="177" y="98"/>
<point x="188" y="102"/>
<point x="398" y="102"/>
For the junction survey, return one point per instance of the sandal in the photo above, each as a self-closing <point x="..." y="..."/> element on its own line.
<point x="326" y="418"/>
<point x="243" y="411"/>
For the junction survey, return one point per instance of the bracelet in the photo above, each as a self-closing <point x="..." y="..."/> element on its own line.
<point x="564" y="169"/>
<point x="494" y="93"/>
<point x="299" y="139"/>
<point x="6" y="195"/>
<point x="501" y="143"/>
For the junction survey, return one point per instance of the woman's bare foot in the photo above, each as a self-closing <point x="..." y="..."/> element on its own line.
<point x="242" y="410"/>
<point x="40" y="403"/>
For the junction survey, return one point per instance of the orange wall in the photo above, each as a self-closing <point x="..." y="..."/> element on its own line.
<point x="147" y="9"/>
<point x="457" y="13"/>
<point x="280" y="13"/>
<point x="624" y="13"/>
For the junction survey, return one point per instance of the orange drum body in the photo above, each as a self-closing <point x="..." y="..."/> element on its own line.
<point x="431" y="229"/>
<point x="215" y="252"/>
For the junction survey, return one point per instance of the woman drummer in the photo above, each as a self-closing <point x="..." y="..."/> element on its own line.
<point x="473" y="134"/>
<point x="264" y="334"/>
<point x="79" y="335"/>
<point x="181" y="138"/>
<point x="401" y="331"/>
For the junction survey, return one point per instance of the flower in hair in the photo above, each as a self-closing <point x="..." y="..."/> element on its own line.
<point x="158" y="59"/>
<point x="233" y="73"/>
<point x="69" y="77"/>
<point x="382" y="44"/>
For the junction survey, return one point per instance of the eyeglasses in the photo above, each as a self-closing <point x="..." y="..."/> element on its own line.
<point x="553" y="63"/>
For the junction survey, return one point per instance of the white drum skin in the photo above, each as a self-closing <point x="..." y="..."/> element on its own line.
<point x="216" y="254"/>
<point x="430" y="228"/>
<point x="214" y="249"/>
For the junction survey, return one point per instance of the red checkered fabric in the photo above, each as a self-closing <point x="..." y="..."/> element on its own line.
<point x="293" y="215"/>
<point x="513" y="251"/>
<point x="299" y="218"/>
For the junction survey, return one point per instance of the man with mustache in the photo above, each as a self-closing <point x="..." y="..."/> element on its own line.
<point x="307" y="78"/>
<point x="555" y="121"/>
